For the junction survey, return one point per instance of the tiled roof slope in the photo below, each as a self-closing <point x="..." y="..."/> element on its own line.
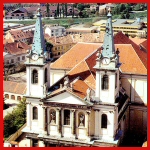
<point x="88" y="37"/>
<point x="19" y="34"/>
<point x="130" y="64"/>
<point x="16" y="48"/>
<point x="144" y="45"/>
<point x="75" y="55"/>
<point x="130" y="61"/>
<point x="14" y="87"/>
<point x="59" y="40"/>
<point x="120" y="38"/>
<point x="138" y="41"/>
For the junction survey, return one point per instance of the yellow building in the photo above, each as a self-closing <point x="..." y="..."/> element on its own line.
<point x="133" y="28"/>
<point x="60" y="45"/>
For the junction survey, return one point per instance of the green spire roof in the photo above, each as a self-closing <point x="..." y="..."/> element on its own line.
<point x="38" y="45"/>
<point x="108" y="45"/>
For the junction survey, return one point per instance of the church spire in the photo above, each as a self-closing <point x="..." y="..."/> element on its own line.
<point x="108" y="45"/>
<point x="38" y="45"/>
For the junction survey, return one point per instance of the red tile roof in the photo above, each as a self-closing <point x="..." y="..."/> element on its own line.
<point x="75" y="55"/>
<point x="120" y="38"/>
<point x="14" y="87"/>
<point x="138" y="41"/>
<point x="16" y="48"/>
<point x="20" y="35"/>
<point x="144" y="45"/>
<point x="131" y="63"/>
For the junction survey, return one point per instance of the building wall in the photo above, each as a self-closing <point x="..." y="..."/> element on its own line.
<point x="13" y="96"/>
<point x="136" y="88"/>
<point x="55" y="75"/>
<point x="59" y="50"/>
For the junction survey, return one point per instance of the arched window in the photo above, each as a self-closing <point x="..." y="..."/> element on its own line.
<point x="34" y="76"/>
<point x="66" y="117"/>
<point x="45" y="74"/>
<point x="52" y="116"/>
<point x="104" y="121"/>
<point x="35" y="113"/>
<point x="105" y="82"/>
<point x="81" y="119"/>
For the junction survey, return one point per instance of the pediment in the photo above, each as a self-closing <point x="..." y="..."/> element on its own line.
<point x="66" y="98"/>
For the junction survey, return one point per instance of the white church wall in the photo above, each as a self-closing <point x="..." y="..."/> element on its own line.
<point x="55" y="75"/>
<point x="136" y="88"/>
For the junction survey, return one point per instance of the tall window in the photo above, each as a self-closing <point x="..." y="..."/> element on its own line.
<point x="105" y="82"/>
<point x="116" y="80"/>
<point x="104" y="121"/>
<point x="35" y="113"/>
<point x="66" y="117"/>
<point x="45" y="75"/>
<point x="34" y="77"/>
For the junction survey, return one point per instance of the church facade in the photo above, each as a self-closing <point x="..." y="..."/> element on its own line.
<point x="89" y="106"/>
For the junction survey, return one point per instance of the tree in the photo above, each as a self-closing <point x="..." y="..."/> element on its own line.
<point x="122" y="16"/>
<point x="66" y="9"/>
<point x="63" y="11"/>
<point x="57" y="10"/>
<point x="80" y="6"/>
<point x="47" y="9"/>
<point x="127" y="15"/>
<point x="13" y="121"/>
<point x="137" y="7"/>
<point x="72" y="10"/>
<point x="122" y="7"/>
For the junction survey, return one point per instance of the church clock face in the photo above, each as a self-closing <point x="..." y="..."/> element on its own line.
<point x="105" y="61"/>
<point x="35" y="56"/>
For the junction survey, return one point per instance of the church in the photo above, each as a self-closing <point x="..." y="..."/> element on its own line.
<point x="95" y="104"/>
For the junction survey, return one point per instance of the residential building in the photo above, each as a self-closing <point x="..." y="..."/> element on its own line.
<point x="19" y="35"/>
<point x="14" y="56"/>
<point x="92" y="105"/>
<point x="61" y="45"/>
<point x="54" y="30"/>
<point x="9" y="26"/>
<point x="130" y="27"/>
<point x="19" y="13"/>
<point x="80" y="29"/>
<point x="14" y="90"/>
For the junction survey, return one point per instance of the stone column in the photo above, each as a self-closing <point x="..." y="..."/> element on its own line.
<point x="72" y="120"/>
<point x="44" y="121"/>
<point x="88" y="122"/>
<point x="62" y="122"/>
<point x="29" y="115"/>
<point x="48" y="121"/>
<point x="57" y="118"/>
<point x="41" y="118"/>
<point x="97" y="122"/>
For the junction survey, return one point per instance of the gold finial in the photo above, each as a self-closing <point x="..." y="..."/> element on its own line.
<point x="109" y="9"/>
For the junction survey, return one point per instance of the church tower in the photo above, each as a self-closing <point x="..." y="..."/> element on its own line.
<point x="107" y="67"/>
<point x="38" y="63"/>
